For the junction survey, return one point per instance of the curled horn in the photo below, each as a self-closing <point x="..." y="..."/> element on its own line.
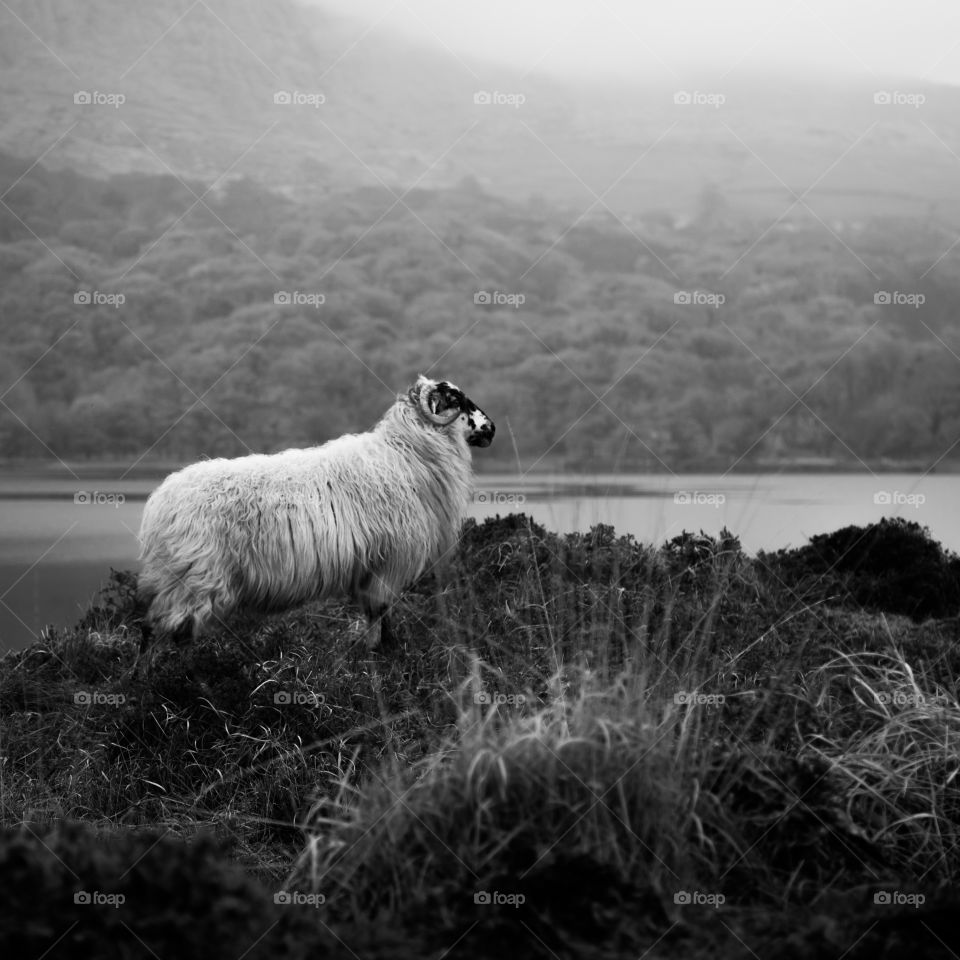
<point x="423" y="401"/>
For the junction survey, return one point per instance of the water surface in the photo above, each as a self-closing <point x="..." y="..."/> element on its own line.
<point x="59" y="537"/>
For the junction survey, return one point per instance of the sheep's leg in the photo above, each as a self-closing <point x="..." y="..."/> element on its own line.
<point x="379" y="632"/>
<point x="375" y="598"/>
<point x="387" y="636"/>
<point x="374" y="633"/>
<point x="152" y="642"/>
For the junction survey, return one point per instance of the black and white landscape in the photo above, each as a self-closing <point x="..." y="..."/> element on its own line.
<point x="685" y="685"/>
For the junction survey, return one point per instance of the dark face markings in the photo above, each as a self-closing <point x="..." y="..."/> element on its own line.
<point x="446" y="396"/>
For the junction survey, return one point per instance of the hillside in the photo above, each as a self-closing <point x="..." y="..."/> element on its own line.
<point x="140" y="324"/>
<point x="199" y="81"/>
<point x="582" y="746"/>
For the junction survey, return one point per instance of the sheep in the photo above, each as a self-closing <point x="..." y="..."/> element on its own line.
<point x="362" y="516"/>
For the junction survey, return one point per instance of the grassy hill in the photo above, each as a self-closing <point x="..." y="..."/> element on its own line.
<point x="583" y="746"/>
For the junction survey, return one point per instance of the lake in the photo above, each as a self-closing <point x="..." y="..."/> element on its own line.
<point x="59" y="537"/>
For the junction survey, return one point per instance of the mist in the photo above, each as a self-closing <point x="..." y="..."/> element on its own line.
<point x="621" y="39"/>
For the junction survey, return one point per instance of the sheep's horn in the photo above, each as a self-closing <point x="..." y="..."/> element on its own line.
<point x="436" y="418"/>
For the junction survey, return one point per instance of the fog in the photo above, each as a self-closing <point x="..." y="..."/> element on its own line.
<point x="621" y="38"/>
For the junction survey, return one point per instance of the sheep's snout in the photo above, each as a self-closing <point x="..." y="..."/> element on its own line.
<point x="483" y="435"/>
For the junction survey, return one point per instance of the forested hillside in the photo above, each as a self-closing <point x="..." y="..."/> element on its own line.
<point x="183" y="349"/>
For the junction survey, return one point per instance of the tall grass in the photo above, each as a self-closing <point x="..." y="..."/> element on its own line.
<point x="579" y="740"/>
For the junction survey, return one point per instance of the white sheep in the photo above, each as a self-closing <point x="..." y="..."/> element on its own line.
<point x="363" y="516"/>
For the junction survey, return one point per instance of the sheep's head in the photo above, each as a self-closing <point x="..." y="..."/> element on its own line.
<point x="444" y="404"/>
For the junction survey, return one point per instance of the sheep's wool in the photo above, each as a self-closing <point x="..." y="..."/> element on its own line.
<point x="363" y="515"/>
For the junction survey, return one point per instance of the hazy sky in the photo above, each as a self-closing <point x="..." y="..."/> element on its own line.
<point x="875" y="38"/>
